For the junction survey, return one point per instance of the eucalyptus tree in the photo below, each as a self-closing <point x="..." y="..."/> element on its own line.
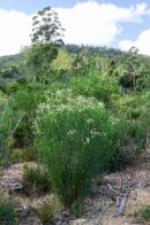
<point x="46" y="27"/>
<point x="46" y="38"/>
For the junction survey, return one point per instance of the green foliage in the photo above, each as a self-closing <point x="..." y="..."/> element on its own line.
<point x="132" y="144"/>
<point x="46" y="38"/>
<point x="49" y="208"/>
<point x="23" y="155"/>
<point x="63" y="62"/>
<point x="94" y="85"/>
<point x="46" y="27"/>
<point x="8" y="79"/>
<point x="3" y="101"/>
<point x="36" y="180"/>
<point x="11" y="73"/>
<point x="135" y="73"/>
<point x="136" y="110"/>
<point x="39" y="59"/>
<point x="9" y="212"/>
<point x="145" y="212"/>
<point x="16" y="119"/>
<point x="8" y="126"/>
<point x="133" y="109"/>
<point x="58" y="101"/>
<point x="2" y="96"/>
<point x="78" y="139"/>
<point x="27" y="97"/>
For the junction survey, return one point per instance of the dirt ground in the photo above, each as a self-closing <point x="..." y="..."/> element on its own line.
<point x="100" y="207"/>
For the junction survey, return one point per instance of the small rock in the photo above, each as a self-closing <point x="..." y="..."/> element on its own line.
<point x="11" y="185"/>
<point x="31" y="221"/>
<point x="81" y="222"/>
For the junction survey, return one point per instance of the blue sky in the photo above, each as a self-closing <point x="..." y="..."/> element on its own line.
<point x="113" y="23"/>
<point x="30" y="6"/>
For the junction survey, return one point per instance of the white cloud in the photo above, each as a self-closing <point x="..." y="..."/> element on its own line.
<point x="142" y="43"/>
<point x="15" y="28"/>
<point x="89" y="23"/>
<point x="96" y="23"/>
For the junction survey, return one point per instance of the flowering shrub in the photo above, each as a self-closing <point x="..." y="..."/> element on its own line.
<point x="77" y="138"/>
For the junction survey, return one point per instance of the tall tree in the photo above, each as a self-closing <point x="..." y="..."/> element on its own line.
<point x="46" y="27"/>
<point x="46" y="39"/>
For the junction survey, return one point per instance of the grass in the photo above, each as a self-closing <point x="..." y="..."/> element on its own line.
<point x="9" y="212"/>
<point x="49" y="208"/>
<point x="144" y="213"/>
<point x="23" y="155"/>
<point x="36" y="181"/>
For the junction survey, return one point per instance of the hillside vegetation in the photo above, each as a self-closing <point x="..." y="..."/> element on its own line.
<point x="75" y="111"/>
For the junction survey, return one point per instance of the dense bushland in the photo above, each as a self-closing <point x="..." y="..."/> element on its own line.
<point x="79" y="111"/>
<point x="96" y="85"/>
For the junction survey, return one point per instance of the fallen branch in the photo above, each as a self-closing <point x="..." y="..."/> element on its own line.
<point x="121" y="207"/>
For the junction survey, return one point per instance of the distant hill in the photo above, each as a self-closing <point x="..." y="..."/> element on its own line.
<point x="111" y="53"/>
<point x="11" y="60"/>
